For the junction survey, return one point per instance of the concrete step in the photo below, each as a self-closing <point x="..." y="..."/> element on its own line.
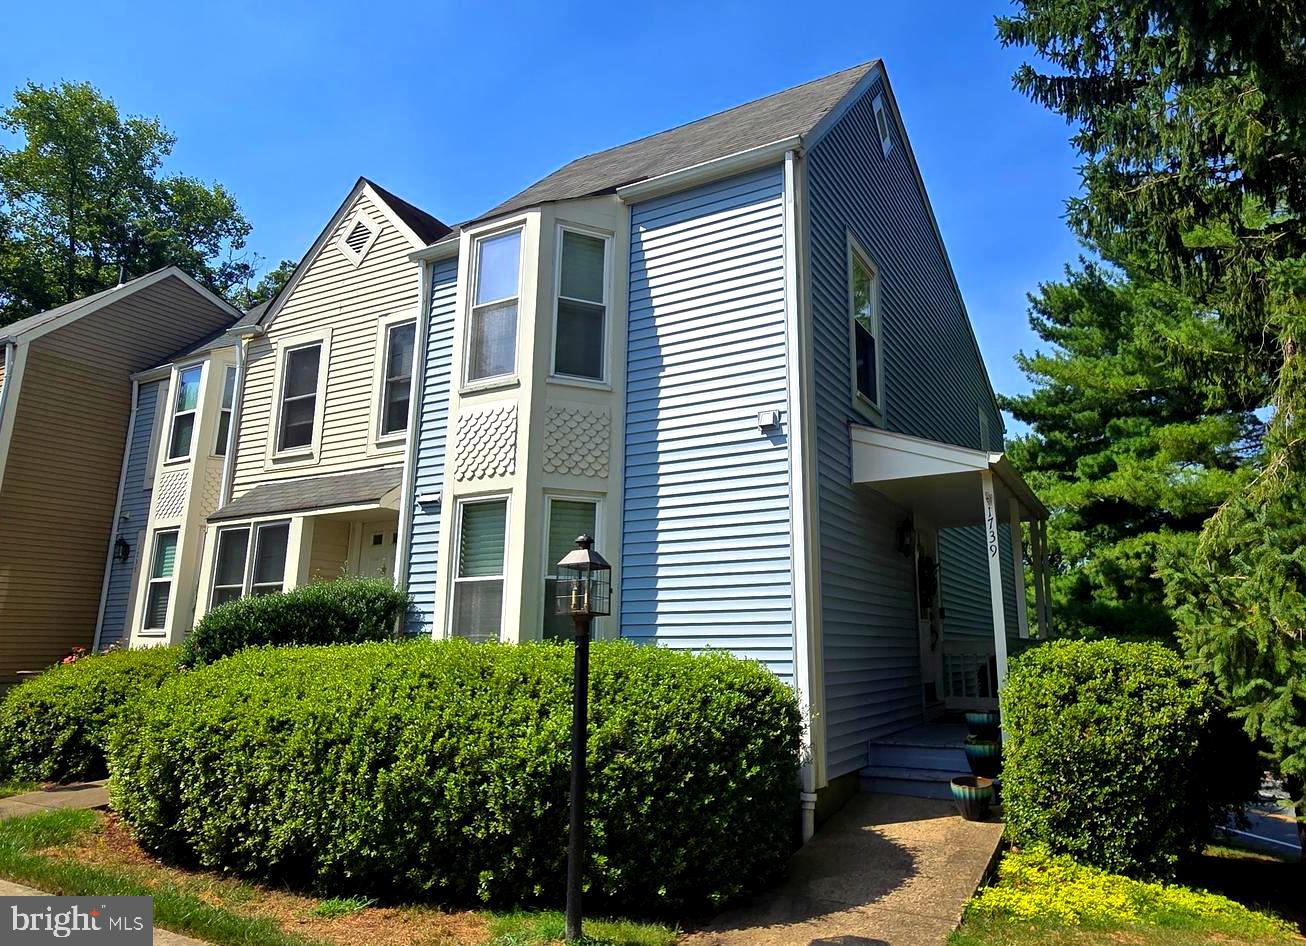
<point x="920" y="756"/>
<point x="888" y="784"/>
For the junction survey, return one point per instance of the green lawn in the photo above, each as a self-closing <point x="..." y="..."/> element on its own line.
<point x="1046" y="900"/>
<point x="87" y="853"/>
<point x="16" y="788"/>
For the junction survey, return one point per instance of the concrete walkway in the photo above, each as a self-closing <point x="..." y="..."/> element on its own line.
<point x="887" y="870"/>
<point x="76" y="795"/>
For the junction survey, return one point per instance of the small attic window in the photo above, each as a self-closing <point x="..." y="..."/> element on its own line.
<point x="357" y="238"/>
<point x="882" y="125"/>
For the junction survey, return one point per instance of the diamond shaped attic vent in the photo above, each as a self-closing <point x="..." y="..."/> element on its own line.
<point x="357" y="238"/>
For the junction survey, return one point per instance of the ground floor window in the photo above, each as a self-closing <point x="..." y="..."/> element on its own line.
<point x="250" y="560"/>
<point x="478" y="582"/>
<point x="568" y="518"/>
<point x="158" y="594"/>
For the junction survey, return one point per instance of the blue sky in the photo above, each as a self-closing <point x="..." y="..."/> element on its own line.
<point x="455" y="106"/>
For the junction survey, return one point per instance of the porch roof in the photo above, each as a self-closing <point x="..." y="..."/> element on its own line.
<point x="939" y="481"/>
<point x="317" y="494"/>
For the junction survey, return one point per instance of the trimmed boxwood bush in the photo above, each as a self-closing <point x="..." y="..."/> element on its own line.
<point x="346" y="611"/>
<point x="1119" y="755"/>
<point x="53" y="728"/>
<point x="439" y="770"/>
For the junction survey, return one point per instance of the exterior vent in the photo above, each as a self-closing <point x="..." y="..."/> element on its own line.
<point x="882" y="125"/>
<point x="357" y="238"/>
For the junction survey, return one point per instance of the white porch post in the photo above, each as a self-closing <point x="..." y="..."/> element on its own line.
<point x="1018" y="569"/>
<point x="993" y="549"/>
<point x="1038" y="553"/>
<point x="1047" y="580"/>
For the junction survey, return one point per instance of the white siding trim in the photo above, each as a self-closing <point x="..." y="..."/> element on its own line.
<point x="15" y="359"/>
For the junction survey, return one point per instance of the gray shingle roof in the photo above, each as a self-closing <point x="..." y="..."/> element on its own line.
<point x="313" y="492"/>
<point x="795" y="111"/>
<point x="428" y="228"/>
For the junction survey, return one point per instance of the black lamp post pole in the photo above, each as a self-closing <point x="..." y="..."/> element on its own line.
<point x="579" y="727"/>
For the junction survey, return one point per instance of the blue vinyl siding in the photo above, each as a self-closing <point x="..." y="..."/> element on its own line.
<point x="706" y="353"/>
<point x="131" y="524"/>
<point x="933" y="384"/>
<point x="432" y="439"/>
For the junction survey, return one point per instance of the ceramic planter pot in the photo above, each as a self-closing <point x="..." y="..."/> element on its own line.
<point x="973" y="794"/>
<point x="984" y="756"/>
<point x="984" y="723"/>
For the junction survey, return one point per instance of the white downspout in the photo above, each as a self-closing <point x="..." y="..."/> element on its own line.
<point x="804" y="671"/>
<point x="117" y="515"/>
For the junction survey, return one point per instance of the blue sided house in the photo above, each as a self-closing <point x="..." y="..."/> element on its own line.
<point x="736" y="354"/>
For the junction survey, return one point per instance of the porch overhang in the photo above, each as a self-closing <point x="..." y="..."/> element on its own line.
<point x="364" y="490"/>
<point x="939" y="481"/>
<point x="948" y="486"/>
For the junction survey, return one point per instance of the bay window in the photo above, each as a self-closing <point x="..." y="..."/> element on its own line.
<point x="478" y="581"/>
<point x="224" y="413"/>
<point x="492" y="328"/>
<point x="567" y="519"/>
<point x="158" y="590"/>
<point x="185" y="405"/>
<point x="581" y="306"/>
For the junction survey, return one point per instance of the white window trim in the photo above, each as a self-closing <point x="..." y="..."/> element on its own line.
<point x="602" y="381"/>
<point x="251" y="546"/>
<point x="174" y="388"/>
<point x="380" y="442"/>
<point x="882" y="114"/>
<point x="227" y="370"/>
<point x="456" y="558"/>
<point x="492" y="382"/>
<point x="309" y="454"/>
<point x="574" y="497"/>
<point x="150" y="582"/>
<point x="374" y="229"/>
<point x="874" y="409"/>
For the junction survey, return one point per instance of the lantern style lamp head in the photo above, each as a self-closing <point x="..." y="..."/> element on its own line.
<point x="585" y="588"/>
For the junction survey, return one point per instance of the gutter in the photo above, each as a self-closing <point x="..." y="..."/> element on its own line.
<point x="707" y="171"/>
<point x="116" y="525"/>
<point x="242" y="336"/>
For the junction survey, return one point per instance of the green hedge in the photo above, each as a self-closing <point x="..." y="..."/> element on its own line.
<point x="53" y="728"/>
<point x="1119" y="755"/>
<point x="346" y="611"/>
<point x="440" y="771"/>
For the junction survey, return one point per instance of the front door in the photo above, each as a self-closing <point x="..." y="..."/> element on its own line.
<point x="377" y="559"/>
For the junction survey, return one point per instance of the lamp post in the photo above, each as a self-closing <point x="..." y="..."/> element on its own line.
<point x="584" y="591"/>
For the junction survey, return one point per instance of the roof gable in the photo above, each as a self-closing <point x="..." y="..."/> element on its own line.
<point x="793" y="112"/>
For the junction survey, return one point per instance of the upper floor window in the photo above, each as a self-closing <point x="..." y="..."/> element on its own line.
<point x="397" y="383"/>
<point x="478" y="581"/>
<point x="864" y="299"/>
<point x="224" y="413"/>
<point x="492" y="329"/>
<point x="185" y="404"/>
<point x="581" y="314"/>
<point x="158" y="592"/>
<point x="299" y="394"/>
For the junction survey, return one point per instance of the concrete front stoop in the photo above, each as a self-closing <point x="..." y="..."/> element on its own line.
<point x="886" y="870"/>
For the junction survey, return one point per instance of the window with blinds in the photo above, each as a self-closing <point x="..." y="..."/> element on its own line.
<point x="492" y="329"/>
<point x="568" y="519"/>
<point x="478" y="582"/>
<point x="185" y="404"/>
<point x="158" y="593"/>
<point x="299" y="392"/>
<point x="397" y="385"/>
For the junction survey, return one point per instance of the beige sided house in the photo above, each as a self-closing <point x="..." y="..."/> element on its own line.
<point x="281" y="444"/>
<point x="66" y="398"/>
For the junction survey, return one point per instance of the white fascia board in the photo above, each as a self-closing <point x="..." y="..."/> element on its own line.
<point x="445" y="248"/>
<point x="708" y="171"/>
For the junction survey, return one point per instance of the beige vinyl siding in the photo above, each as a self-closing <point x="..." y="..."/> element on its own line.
<point x="332" y="295"/>
<point x="61" y="477"/>
<point x="330" y="555"/>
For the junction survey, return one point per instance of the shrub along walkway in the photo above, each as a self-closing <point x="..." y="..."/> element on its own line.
<point x="56" y="797"/>
<point x="887" y="870"/>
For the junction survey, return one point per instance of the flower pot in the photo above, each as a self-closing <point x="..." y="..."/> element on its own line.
<point x="973" y="794"/>
<point x="984" y="723"/>
<point x="984" y="756"/>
